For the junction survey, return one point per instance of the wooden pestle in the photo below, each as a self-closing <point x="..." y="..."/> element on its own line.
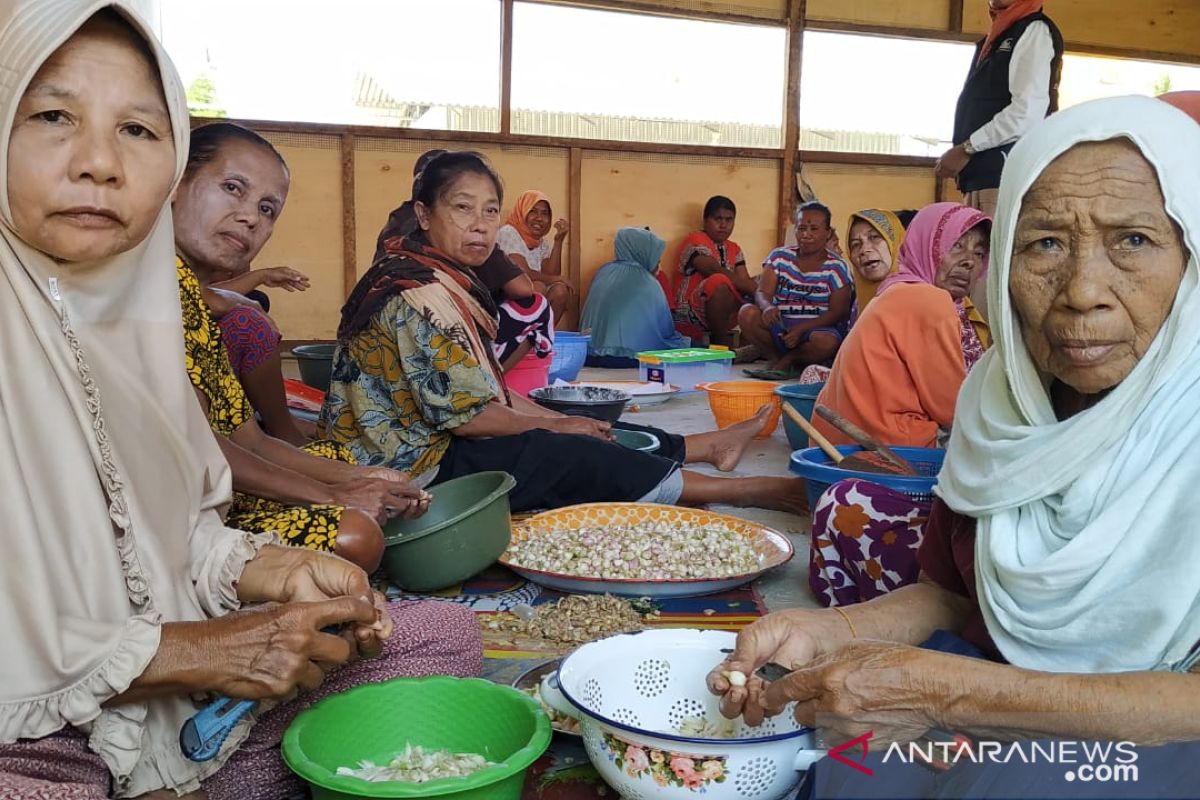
<point x="813" y="433"/>
<point x="855" y="462"/>
<point x="865" y="439"/>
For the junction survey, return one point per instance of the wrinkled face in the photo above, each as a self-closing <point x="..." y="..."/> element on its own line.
<point x="869" y="252"/>
<point x="1096" y="264"/>
<point x="91" y="159"/>
<point x="225" y="209"/>
<point x="539" y="218"/>
<point x="464" y="220"/>
<point x="812" y="233"/>
<point x="962" y="265"/>
<point x="719" y="226"/>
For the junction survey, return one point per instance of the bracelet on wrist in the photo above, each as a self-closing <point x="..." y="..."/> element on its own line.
<point x="849" y="622"/>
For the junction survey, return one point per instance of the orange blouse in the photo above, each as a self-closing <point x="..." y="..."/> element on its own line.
<point x="898" y="373"/>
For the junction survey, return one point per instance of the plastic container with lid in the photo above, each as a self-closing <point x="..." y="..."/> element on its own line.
<point x="686" y="368"/>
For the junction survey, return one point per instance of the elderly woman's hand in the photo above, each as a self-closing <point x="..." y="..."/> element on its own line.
<point x="420" y="497"/>
<point x="298" y="575"/>
<point x="584" y="426"/>
<point x="382" y="499"/>
<point x="785" y="637"/>
<point x="273" y="652"/>
<point x="881" y="687"/>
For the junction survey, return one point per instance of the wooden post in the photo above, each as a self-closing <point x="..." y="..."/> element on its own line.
<point x="956" y="16"/>
<point x="797" y="11"/>
<point x="349" y="233"/>
<point x="575" y="218"/>
<point x="506" y="53"/>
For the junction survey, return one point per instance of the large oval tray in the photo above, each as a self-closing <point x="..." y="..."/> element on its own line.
<point x="773" y="548"/>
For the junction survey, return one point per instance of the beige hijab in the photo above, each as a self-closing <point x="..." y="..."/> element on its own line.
<point x="110" y="479"/>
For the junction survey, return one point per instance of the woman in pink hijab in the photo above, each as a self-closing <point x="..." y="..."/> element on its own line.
<point x="925" y="258"/>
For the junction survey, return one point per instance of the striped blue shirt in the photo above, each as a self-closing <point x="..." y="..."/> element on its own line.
<point x="803" y="295"/>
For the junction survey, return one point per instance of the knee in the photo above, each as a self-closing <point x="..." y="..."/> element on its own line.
<point x="463" y="638"/>
<point x="749" y="316"/>
<point x="722" y="297"/>
<point x="560" y="291"/>
<point x="826" y="345"/>
<point x="446" y="635"/>
<point x="360" y="540"/>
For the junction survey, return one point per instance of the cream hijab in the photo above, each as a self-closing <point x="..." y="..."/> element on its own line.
<point x="110" y="479"/>
<point x="1086" y="557"/>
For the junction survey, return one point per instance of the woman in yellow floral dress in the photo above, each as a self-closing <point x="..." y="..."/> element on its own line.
<point x="315" y="497"/>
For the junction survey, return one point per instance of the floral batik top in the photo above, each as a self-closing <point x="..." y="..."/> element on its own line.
<point x="207" y="359"/>
<point x="398" y="390"/>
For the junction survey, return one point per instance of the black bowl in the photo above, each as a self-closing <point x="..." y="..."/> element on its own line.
<point x="598" y="402"/>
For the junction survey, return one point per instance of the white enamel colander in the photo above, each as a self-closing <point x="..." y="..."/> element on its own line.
<point x="631" y="692"/>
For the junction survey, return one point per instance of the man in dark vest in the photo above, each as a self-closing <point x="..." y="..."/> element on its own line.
<point x="1013" y="83"/>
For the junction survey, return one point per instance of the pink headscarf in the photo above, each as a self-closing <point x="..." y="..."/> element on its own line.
<point x="1187" y="102"/>
<point x="931" y="234"/>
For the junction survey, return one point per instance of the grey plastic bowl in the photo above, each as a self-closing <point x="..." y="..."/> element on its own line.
<point x="316" y="363"/>
<point x="598" y="402"/>
<point x="467" y="527"/>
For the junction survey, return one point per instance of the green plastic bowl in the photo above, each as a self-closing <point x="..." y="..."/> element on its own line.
<point x="636" y="440"/>
<point x="315" y="362"/>
<point x="466" y="528"/>
<point x="375" y="721"/>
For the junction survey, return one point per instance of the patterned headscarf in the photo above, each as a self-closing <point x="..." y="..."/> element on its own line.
<point x="889" y="227"/>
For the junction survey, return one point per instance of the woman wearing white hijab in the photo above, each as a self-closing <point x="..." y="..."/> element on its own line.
<point x="118" y="573"/>
<point x="1061" y="552"/>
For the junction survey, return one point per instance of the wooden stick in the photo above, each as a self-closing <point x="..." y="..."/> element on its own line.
<point x="865" y="439"/>
<point x="813" y="433"/>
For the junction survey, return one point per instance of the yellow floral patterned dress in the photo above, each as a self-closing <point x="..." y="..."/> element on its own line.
<point x="315" y="526"/>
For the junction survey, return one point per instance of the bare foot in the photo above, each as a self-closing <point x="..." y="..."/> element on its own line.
<point x="780" y="494"/>
<point x="724" y="448"/>
<point x="746" y="354"/>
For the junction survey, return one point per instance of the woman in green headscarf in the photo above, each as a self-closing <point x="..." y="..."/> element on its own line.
<point x="626" y="308"/>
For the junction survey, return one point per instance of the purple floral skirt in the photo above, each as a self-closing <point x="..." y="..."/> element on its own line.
<point x="864" y="542"/>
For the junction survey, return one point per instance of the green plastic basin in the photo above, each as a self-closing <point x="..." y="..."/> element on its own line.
<point x="636" y="440"/>
<point x="466" y="528"/>
<point x="375" y="721"/>
<point x="315" y="362"/>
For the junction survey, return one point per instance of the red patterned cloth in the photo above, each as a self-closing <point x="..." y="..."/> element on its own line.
<point x="249" y="337"/>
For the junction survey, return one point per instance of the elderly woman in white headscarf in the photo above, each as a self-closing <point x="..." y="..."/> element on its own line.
<point x="1060" y="552"/>
<point x="119" y="576"/>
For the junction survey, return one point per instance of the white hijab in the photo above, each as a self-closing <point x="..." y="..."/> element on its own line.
<point x="1087" y="558"/>
<point x="110" y="479"/>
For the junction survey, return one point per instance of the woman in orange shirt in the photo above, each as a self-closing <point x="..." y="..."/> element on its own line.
<point x="897" y="377"/>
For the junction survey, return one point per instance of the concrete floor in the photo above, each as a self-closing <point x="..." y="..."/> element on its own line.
<point x="787" y="586"/>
